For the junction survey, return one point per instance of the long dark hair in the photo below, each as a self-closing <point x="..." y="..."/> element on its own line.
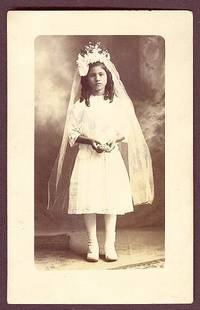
<point x="85" y="88"/>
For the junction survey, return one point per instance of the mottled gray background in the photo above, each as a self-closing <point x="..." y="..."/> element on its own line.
<point x="140" y="61"/>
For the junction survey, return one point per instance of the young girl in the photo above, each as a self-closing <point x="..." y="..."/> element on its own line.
<point x="101" y="118"/>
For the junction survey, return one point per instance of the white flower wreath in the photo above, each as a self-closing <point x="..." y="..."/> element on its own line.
<point x="91" y="54"/>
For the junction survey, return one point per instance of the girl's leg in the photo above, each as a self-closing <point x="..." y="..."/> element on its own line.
<point x="110" y="232"/>
<point x="93" y="247"/>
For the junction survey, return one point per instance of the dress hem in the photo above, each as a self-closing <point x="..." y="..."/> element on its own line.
<point x="94" y="212"/>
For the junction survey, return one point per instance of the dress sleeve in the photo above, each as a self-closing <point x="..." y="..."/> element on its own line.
<point x="75" y="123"/>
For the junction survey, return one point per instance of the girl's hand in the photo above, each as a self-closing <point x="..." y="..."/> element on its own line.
<point x="110" y="145"/>
<point x="96" y="146"/>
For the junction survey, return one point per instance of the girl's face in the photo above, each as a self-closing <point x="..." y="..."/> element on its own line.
<point x="97" y="80"/>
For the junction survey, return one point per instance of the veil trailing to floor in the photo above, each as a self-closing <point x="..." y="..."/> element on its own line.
<point x="139" y="164"/>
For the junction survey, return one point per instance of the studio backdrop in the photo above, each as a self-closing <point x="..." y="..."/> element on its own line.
<point x="140" y="61"/>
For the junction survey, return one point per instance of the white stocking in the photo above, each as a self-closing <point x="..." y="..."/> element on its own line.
<point x="90" y="223"/>
<point x="110" y="226"/>
<point x="93" y="247"/>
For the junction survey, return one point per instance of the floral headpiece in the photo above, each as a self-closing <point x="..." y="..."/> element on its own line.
<point x="90" y="54"/>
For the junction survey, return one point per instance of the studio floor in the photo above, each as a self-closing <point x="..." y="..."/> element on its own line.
<point x="139" y="249"/>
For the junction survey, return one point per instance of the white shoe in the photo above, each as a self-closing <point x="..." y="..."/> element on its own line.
<point x="110" y="251"/>
<point x="93" y="251"/>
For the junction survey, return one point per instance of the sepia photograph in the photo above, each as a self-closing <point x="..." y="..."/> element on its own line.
<point x="100" y="157"/>
<point x="99" y="152"/>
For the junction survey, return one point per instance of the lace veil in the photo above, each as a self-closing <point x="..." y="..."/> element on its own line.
<point x="139" y="164"/>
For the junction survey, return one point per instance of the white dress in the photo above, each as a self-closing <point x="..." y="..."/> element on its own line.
<point x="99" y="181"/>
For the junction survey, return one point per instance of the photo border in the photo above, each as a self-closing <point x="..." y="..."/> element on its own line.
<point x="20" y="5"/>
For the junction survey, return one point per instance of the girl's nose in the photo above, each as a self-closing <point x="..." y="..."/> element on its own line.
<point x="97" y="78"/>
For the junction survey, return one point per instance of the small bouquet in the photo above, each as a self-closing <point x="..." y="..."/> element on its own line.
<point x="103" y="147"/>
<point x="107" y="147"/>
